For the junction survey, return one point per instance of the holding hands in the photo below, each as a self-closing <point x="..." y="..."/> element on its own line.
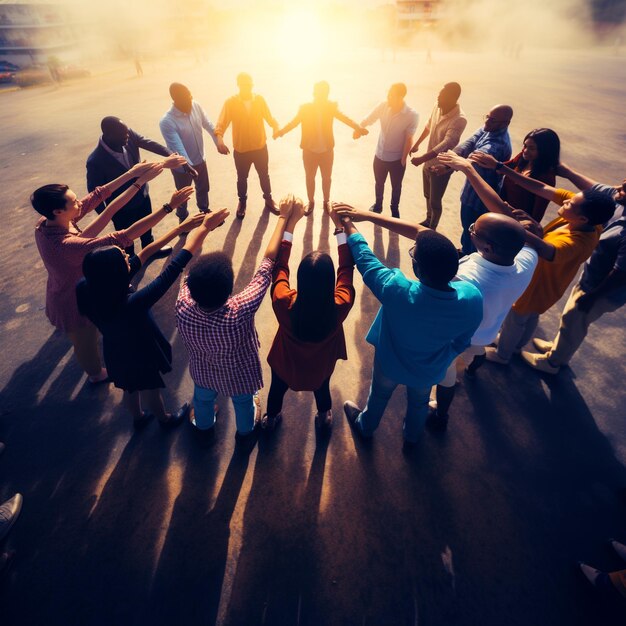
<point x="344" y="210"/>
<point x="484" y="160"/>
<point x="173" y="161"/>
<point x="147" y="174"/>
<point x="453" y="160"/>
<point x="138" y="170"/>
<point x="222" y="148"/>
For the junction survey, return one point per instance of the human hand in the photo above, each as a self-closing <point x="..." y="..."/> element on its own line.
<point x="181" y="196"/>
<point x="215" y="219"/>
<point x="174" y="160"/>
<point x="297" y="209"/>
<point x="277" y="134"/>
<point x="334" y="215"/>
<point x="484" y="160"/>
<point x="453" y="160"/>
<point x="140" y="169"/>
<point x="285" y="205"/>
<point x="190" y="223"/>
<point x="357" y="133"/>
<point x="190" y="170"/>
<point x="417" y="161"/>
<point x="531" y="225"/>
<point x="414" y="149"/>
<point x="439" y="169"/>
<point x="152" y="172"/>
<point x="222" y="148"/>
<point x="346" y="210"/>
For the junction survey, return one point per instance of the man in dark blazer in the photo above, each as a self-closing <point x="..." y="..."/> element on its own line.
<point x="117" y="151"/>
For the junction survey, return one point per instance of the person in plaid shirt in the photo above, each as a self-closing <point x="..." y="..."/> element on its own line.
<point x="218" y="331"/>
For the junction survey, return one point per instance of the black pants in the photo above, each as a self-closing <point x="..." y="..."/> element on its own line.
<point x="127" y="216"/>
<point x="183" y="179"/>
<point x="243" y="163"/>
<point x="279" y="387"/>
<point x="395" y="170"/>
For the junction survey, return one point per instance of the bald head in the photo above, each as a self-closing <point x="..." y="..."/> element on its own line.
<point x="449" y="96"/>
<point x="498" y="238"/>
<point x="498" y="118"/>
<point x="114" y="132"/>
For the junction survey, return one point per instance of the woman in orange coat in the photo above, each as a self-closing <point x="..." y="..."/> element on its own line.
<point x="310" y="336"/>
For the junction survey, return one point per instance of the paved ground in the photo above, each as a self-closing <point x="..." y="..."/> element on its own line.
<point x="483" y="525"/>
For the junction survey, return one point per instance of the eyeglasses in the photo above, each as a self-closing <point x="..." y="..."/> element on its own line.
<point x="412" y="251"/>
<point x="488" y="118"/>
<point x="472" y="231"/>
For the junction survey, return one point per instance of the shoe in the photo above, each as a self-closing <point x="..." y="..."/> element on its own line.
<point x="539" y="362"/>
<point x="203" y="435"/>
<point x="268" y="423"/>
<point x="309" y="208"/>
<point x="619" y="548"/>
<point x="492" y="355"/>
<point x="425" y="223"/>
<point x="376" y="209"/>
<point x="542" y="345"/>
<point x="270" y="206"/>
<point x="144" y="420"/>
<point x="395" y="213"/>
<point x="9" y="512"/>
<point x="593" y="575"/>
<point x="324" y="420"/>
<point x="352" y="412"/>
<point x="5" y="561"/>
<point x="241" y="209"/>
<point x="436" y="422"/>
<point x="163" y="252"/>
<point x="102" y="377"/>
<point x="176" y="419"/>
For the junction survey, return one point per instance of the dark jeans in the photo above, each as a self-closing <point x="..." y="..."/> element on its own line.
<point x="279" y="387"/>
<point x="183" y="179"/>
<point x="395" y="170"/>
<point x="243" y="163"/>
<point x="127" y="216"/>
<point x="468" y="216"/>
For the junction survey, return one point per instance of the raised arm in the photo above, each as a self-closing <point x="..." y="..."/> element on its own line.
<point x="580" y="180"/>
<point x="149" y="144"/>
<point x="188" y="225"/>
<point x="196" y="237"/>
<point x="530" y="184"/>
<point x="286" y="206"/>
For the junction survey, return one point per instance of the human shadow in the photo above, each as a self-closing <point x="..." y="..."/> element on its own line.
<point x="249" y="262"/>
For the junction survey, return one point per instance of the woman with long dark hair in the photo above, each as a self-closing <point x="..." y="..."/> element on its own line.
<point x="538" y="159"/>
<point x="310" y="336"/>
<point x="136" y="352"/>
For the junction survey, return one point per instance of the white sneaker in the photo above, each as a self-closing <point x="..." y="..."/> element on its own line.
<point x="492" y="355"/>
<point x="542" y="345"/>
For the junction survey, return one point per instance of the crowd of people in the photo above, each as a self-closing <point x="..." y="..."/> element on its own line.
<point x="480" y="301"/>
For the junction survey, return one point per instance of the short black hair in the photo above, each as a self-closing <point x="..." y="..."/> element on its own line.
<point x="597" y="207"/>
<point x="454" y="89"/>
<point x="211" y="280"/>
<point x="436" y="256"/>
<point x="399" y="89"/>
<point x="48" y="199"/>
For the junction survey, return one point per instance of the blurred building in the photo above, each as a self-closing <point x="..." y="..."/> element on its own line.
<point x="413" y="14"/>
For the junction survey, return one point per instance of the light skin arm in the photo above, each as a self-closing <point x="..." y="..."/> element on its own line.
<point x="148" y="222"/>
<point x="529" y="184"/>
<point x="580" y="180"/>
<point x="188" y="225"/>
<point x="395" y="225"/>
<point x="197" y="236"/>
<point x="134" y="172"/>
<point x="286" y="207"/>
<point x="96" y="227"/>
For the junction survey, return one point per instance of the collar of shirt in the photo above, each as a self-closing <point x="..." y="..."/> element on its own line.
<point x="122" y="156"/>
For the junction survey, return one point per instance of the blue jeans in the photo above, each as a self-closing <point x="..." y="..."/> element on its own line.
<point x="203" y="406"/>
<point x="381" y="390"/>
<point x="468" y="216"/>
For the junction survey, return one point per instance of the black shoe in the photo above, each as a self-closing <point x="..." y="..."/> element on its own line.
<point x="163" y="252"/>
<point x="244" y="444"/>
<point x="352" y="412"/>
<point x="436" y="422"/>
<point x="376" y="209"/>
<point x="241" y="209"/>
<point x="144" y="420"/>
<point x="395" y="213"/>
<point x="176" y="419"/>
<point x="425" y="223"/>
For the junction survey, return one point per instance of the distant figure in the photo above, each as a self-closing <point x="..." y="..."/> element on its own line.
<point x="398" y="123"/>
<point x="538" y="159"/>
<point x="117" y="152"/>
<point x="421" y="327"/>
<point x="493" y="139"/>
<point x="317" y="141"/>
<point x="181" y="128"/>
<point x="444" y="129"/>
<point x="248" y="113"/>
<point x="138" y="68"/>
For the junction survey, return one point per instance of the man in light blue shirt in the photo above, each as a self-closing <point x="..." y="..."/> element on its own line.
<point x="421" y="327"/>
<point x="398" y="123"/>
<point x="181" y="128"/>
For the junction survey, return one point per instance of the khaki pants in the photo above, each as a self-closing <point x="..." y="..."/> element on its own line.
<point x="85" y="342"/>
<point x="574" y="326"/>
<point x="434" y="189"/>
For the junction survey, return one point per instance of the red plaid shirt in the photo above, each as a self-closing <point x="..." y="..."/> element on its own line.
<point x="223" y="345"/>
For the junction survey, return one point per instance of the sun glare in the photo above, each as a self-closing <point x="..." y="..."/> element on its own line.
<point x="300" y="38"/>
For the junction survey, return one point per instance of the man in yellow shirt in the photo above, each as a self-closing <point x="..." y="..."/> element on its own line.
<point x="248" y="113"/>
<point x="566" y="242"/>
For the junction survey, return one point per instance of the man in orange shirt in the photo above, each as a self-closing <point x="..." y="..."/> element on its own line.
<point x="248" y="113"/>
<point x="566" y="242"/>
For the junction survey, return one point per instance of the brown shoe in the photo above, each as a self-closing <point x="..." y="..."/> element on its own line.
<point x="309" y="208"/>
<point x="241" y="210"/>
<point x="270" y="205"/>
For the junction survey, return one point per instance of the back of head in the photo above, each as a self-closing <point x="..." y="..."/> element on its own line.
<point x="244" y="79"/>
<point x="548" y="150"/>
<point x="398" y="90"/>
<point x="105" y="285"/>
<point x="321" y="90"/>
<point x="597" y="207"/>
<point x="504" y="235"/>
<point x="211" y="280"/>
<point x="436" y="260"/>
<point x="49" y="198"/>
<point x="313" y="315"/>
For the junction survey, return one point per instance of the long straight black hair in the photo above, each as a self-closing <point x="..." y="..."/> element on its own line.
<point x="313" y="314"/>
<point x="548" y="152"/>
<point x="104" y="289"/>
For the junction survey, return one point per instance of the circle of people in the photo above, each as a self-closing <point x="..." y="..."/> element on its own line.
<point x="460" y="302"/>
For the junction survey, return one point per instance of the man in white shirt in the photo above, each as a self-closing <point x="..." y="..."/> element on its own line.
<point x="444" y="129"/>
<point x="398" y="123"/>
<point x="181" y="128"/>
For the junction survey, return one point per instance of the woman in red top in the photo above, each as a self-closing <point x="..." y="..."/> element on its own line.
<point x="310" y="336"/>
<point x="538" y="159"/>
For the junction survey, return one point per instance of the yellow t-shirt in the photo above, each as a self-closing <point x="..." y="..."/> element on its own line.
<point x="552" y="278"/>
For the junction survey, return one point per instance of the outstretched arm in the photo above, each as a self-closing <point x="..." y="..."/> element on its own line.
<point x="401" y="227"/>
<point x="580" y="180"/>
<point x="189" y="224"/>
<point x="286" y="208"/>
<point x="289" y="127"/>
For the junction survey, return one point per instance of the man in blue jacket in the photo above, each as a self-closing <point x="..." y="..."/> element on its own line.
<point x="421" y="326"/>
